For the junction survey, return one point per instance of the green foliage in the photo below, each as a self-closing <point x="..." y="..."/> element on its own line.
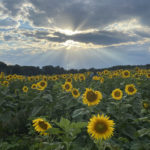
<point x="69" y="116"/>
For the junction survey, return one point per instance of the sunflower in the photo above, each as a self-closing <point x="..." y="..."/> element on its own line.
<point x="34" y="86"/>
<point x="106" y="72"/>
<point x="130" y="89"/>
<point x="42" y="84"/>
<point x="41" y="126"/>
<point x="40" y="88"/>
<point x="75" y="93"/>
<point x="146" y="105"/>
<point x="102" y="80"/>
<point x="45" y="78"/>
<point x="126" y="74"/>
<point x="100" y="127"/>
<point x="5" y="83"/>
<point x="96" y="78"/>
<point x="148" y="75"/>
<point x="117" y="94"/>
<point x="81" y="77"/>
<point x="69" y="80"/>
<point x="54" y="78"/>
<point x="25" y="89"/>
<point x="91" y="97"/>
<point x="67" y="86"/>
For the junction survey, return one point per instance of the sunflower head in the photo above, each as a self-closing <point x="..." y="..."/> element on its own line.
<point x="106" y="72"/>
<point x="91" y="97"/>
<point x="130" y="89"/>
<point x="41" y="126"/>
<point x="34" y="86"/>
<point x="5" y="83"/>
<point x="148" y="75"/>
<point x="69" y="80"/>
<point x="81" y="77"/>
<point x="117" y="94"/>
<point x="126" y="74"/>
<point x="146" y="105"/>
<point x="25" y="89"/>
<point x="67" y="86"/>
<point x="102" y="80"/>
<point x="75" y="93"/>
<point x="42" y="84"/>
<point x="100" y="127"/>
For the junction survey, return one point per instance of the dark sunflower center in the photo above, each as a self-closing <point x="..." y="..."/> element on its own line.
<point x="43" y="125"/>
<point x="91" y="96"/>
<point x="131" y="89"/>
<point x="126" y="73"/>
<point x="100" y="127"/>
<point x="149" y="75"/>
<point x="67" y="86"/>
<point x="42" y="84"/>
<point x="75" y="92"/>
<point x="117" y="94"/>
<point x="69" y="80"/>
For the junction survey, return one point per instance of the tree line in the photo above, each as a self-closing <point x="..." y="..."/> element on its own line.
<point x="51" y="70"/>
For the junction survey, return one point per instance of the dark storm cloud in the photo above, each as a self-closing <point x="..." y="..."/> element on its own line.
<point x="104" y="37"/>
<point x="12" y="7"/>
<point x="81" y="14"/>
<point x="100" y="37"/>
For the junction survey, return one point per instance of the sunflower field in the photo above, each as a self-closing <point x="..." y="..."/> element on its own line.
<point x="107" y="110"/>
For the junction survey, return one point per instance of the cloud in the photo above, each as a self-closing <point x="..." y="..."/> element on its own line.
<point x="77" y="14"/>
<point x="8" y="23"/>
<point x="34" y="28"/>
<point x="98" y="37"/>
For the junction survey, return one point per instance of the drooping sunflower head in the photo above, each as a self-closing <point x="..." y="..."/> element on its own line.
<point x="91" y="97"/>
<point x="117" y="94"/>
<point x="126" y="74"/>
<point x="67" y="86"/>
<point x="41" y="125"/>
<point x="100" y="127"/>
<point x="75" y="93"/>
<point x="25" y="89"/>
<point x="130" y="89"/>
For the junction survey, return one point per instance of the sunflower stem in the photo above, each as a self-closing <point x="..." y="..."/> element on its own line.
<point x="100" y="145"/>
<point x="67" y="145"/>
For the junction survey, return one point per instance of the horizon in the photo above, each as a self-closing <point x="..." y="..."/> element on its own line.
<point x="75" y="34"/>
<point x="140" y="65"/>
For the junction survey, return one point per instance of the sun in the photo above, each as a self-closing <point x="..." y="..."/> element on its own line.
<point x="68" y="32"/>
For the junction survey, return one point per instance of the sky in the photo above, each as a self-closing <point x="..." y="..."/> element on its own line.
<point x="75" y="33"/>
